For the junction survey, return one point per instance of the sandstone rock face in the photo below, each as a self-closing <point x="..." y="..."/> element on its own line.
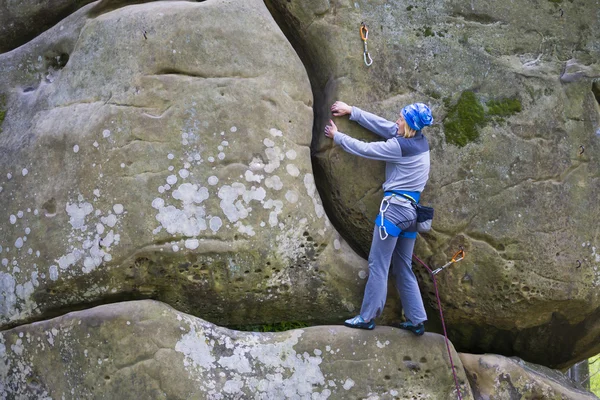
<point x="148" y="350"/>
<point x="497" y="377"/>
<point x="515" y="173"/>
<point x="162" y="150"/>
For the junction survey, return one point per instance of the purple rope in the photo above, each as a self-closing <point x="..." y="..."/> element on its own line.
<point x="443" y="325"/>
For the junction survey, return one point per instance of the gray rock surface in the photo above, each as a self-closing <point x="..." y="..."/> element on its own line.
<point x="162" y="151"/>
<point x="515" y="98"/>
<point x="148" y="350"/>
<point x="497" y="377"/>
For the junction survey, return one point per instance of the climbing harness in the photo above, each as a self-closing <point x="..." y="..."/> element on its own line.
<point x="387" y="227"/>
<point x="460" y="255"/>
<point x="364" y="35"/>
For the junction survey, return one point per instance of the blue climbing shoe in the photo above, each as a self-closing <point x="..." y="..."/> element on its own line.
<point x="359" y="322"/>
<point x="418" y="330"/>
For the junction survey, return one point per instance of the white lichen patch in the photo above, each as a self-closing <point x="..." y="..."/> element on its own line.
<point x="252" y="177"/>
<point x="189" y="220"/>
<point x="277" y="207"/>
<point x="275" y="132"/>
<point x="192" y="244"/>
<point x="291" y="154"/>
<point x="90" y="247"/>
<point x="311" y="189"/>
<point x="246" y="202"/>
<point x="249" y="365"/>
<point x="291" y="245"/>
<point x="348" y="384"/>
<point x="595" y="261"/>
<point x="292" y="196"/>
<point x="77" y="214"/>
<point x="275" y="155"/>
<point x="274" y="182"/>
<point x="292" y="170"/>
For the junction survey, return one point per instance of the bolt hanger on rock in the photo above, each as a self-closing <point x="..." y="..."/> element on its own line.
<point x="364" y="35"/>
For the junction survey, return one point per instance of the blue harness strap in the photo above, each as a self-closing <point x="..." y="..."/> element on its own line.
<point x="389" y="226"/>
<point x="409" y="235"/>
<point x="393" y="230"/>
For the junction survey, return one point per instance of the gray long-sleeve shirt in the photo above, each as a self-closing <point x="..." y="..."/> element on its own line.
<point x="406" y="160"/>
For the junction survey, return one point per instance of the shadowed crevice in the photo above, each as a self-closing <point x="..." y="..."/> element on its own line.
<point x="554" y="341"/>
<point x="323" y="86"/>
<point x="596" y="91"/>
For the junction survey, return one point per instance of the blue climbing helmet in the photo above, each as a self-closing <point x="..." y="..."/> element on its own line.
<point x="417" y="115"/>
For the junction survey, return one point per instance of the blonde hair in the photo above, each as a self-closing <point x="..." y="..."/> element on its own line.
<point x="408" y="131"/>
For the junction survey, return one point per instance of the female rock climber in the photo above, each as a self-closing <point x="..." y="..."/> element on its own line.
<point x="406" y="155"/>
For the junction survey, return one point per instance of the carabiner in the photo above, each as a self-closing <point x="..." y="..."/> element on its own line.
<point x="460" y="253"/>
<point x="382" y="229"/>
<point x="365" y="55"/>
<point x="383" y="208"/>
<point x="385" y="203"/>
<point x="364" y="35"/>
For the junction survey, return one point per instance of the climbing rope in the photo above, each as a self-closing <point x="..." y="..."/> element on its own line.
<point x="364" y="35"/>
<point x="460" y="255"/>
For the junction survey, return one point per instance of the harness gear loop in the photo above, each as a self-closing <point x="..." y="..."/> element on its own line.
<point x="364" y="35"/>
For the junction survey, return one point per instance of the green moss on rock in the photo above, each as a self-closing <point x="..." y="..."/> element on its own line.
<point x="463" y="119"/>
<point x="275" y="327"/>
<point x="504" y="107"/>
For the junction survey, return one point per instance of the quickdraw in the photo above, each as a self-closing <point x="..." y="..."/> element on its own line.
<point x="364" y="35"/>
<point x="458" y="256"/>
<point x="383" y="233"/>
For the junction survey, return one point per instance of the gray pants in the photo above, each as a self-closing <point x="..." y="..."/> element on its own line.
<point x="399" y="251"/>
